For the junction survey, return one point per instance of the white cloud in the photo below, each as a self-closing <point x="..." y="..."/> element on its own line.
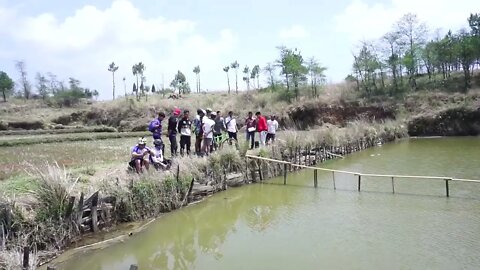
<point x="360" y="20"/>
<point x="83" y="44"/>
<point x="293" y="32"/>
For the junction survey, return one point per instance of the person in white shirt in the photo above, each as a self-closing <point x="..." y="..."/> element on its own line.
<point x="208" y="124"/>
<point x="272" y="125"/>
<point x="231" y="125"/>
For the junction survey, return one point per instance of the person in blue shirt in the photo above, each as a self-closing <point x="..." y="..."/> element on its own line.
<point x="156" y="126"/>
<point x="139" y="158"/>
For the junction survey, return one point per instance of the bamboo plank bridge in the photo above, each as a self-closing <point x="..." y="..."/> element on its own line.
<point x="357" y="175"/>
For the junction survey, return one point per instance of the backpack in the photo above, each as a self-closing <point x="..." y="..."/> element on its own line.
<point x="152" y="125"/>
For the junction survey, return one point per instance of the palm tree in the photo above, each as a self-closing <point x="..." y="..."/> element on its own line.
<point x="196" y="70"/>
<point x="226" y="69"/>
<point x="112" y="68"/>
<point x="246" y="71"/>
<point x="235" y="66"/>
<point x="137" y="70"/>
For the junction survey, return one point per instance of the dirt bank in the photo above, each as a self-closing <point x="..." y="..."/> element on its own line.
<point x="461" y="121"/>
<point x="316" y="113"/>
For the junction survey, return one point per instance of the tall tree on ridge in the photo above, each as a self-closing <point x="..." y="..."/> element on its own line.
<point x="113" y="68"/>
<point x="226" y="69"/>
<point x="25" y="84"/>
<point x="137" y="71"/>
<point x="235" y="66"/>
<point x="196" y="70"/>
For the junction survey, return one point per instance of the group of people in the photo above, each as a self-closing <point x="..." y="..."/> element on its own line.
<point x="208" y="127"/>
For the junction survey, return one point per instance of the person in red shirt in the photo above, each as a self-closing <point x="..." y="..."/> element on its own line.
<point x="262" y="128"/>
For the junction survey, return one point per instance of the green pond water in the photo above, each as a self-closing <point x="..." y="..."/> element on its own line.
<point x="272" y="226"/>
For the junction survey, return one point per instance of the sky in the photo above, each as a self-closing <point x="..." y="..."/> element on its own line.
<point x="80" y="38"/>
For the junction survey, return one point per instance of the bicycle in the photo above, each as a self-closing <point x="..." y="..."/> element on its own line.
<point x="222" y="139"/>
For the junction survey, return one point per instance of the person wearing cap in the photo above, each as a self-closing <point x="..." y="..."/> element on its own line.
<point x="185" y="129"/>
<point x="156" y="156"/>
<point x="139" y="156"/>
<point x="272" y="125"/>
<point x="172" y="131"/>
<point x="208" y="124"/>
<point x="198" y="130"/>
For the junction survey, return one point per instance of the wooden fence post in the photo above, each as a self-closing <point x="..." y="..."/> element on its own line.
<point x="315" y="181"/>
<point x="69" y="210"/>
<point x="334" y="186"/>
<point x="260" y="171"/>
<point x="94" y="214"/>
<point x="26" y="257"/>
<point x="80" y="212"/>
<point x="285" y="173"/>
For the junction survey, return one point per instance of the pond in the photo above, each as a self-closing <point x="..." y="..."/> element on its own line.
<point x="272" y="226"/>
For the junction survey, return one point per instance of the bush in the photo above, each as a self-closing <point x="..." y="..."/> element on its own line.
<point x="27" y="125"/>
<point x="64" y="120"/>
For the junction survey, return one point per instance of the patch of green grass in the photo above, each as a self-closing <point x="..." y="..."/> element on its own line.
<point x="18" y="184"/>
<point x="49" y="138"/>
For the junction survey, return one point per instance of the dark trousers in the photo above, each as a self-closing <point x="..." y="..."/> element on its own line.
<point x="198" y="144"/>
<point x="185" y="142"/>
<point x="251" y="138"/>
<point x="173" y="144"/>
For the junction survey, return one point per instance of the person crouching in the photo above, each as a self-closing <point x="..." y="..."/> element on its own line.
<point x="139" y="158"/>
<point x="156" y="156"/>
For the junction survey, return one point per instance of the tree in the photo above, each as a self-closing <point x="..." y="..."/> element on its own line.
<point x="112" y="68"/>
<point x="180" y="83"/>
<point x="316" y="73"/>
<point x="153" y="88"/>
<point x="137" y="71"/>
<point x="53" y="83"/>
<point x="95" y="94"/>
<point x="235" y="66"/>
<point x="226" y="69"/>
<point x="256" y="75"/>
<point x="6" y="85"/>
<point x="393" y="59"/>
<point x="291" y="63"/>
<point x="196" y="70"/>
<point x="465" y="50"/>
<point x="246" y="78"/>
<point x="42" y="86"/>
<point x="134" y="89"/>
<point x="270" y="70"/>
<point x="25" y="84"/>
<point x="412" y="35"/>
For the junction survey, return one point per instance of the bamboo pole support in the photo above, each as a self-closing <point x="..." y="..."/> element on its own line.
<point x="393" y="185"/>
<point x="447" y="189"/>
<point x="285" y="173"/>
<point x="94" y="214"/>
<point x="315" y="180"/>
<point x="359" y="181"/>
<point x="334" y="185"/>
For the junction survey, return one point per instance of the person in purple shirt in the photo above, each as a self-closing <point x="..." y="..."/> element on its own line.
<point x="156" y="126"/>
<point x="139" y="156"/>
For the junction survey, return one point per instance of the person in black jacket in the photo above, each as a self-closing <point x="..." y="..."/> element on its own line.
<point x="172" y="131"/>
<point x="185" y="129"/>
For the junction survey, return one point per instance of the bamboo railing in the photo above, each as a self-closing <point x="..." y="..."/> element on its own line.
<point x="359" y="175"/>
